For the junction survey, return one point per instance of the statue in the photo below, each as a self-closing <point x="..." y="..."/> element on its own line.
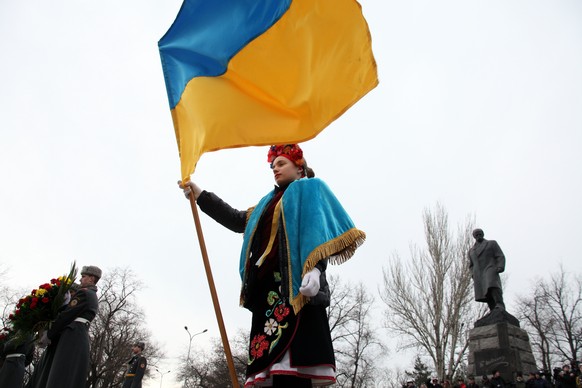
<point x="487" y="262"/>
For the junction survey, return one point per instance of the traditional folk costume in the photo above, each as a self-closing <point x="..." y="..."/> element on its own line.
<point x="291" y="231"/>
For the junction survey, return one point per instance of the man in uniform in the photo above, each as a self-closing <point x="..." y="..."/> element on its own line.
<point x="17" y="356"/>
<point x="70" y="364"/>
<point x="136" y="367"/>
<point x="487" y="262"/>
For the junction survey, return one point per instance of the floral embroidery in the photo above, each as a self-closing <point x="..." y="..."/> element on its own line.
<point x="272" y="298"/>
<point x="271" y="326"/>
<point x="279" y="334"/>
<point x="281" y="311"/>
<point x="258" y="346"/>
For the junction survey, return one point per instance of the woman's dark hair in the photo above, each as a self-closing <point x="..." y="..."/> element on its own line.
<point x="309" y="173"/>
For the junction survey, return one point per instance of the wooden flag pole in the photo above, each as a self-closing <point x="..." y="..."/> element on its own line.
<point x="223" y="335"/>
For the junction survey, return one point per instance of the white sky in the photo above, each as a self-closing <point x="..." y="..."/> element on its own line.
<point x="479" y="107"/>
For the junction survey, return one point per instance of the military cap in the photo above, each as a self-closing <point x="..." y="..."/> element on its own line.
<point x="75" y="287"/>
<point x="91" y="270"/>
<point x="140" y="345"/>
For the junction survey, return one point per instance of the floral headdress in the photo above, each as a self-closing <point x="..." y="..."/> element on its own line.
<point x="291" y="151"/>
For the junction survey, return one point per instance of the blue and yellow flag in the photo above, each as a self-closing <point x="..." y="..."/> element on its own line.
<point x="261" y="72"/>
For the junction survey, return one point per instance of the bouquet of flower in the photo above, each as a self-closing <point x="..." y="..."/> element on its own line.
<point x="34" y="311"/>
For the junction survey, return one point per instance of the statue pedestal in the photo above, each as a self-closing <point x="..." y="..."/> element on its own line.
<point x="500" y="346"/>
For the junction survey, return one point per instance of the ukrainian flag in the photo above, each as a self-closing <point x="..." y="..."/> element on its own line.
<point x="261" y="72"/>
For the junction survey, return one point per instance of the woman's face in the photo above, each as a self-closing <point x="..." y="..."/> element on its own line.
<point x="285" y="171"/>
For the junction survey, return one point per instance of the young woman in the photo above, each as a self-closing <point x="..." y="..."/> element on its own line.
<point x="289" y="237"/>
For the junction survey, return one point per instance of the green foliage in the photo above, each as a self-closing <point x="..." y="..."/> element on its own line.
<point x="420" y="374"/>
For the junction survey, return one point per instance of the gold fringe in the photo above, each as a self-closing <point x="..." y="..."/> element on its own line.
<point x="339" y="250"/>
<point x="298" y="302"/>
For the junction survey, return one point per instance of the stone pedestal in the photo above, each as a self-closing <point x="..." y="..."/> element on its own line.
<point x="500" y="346"/>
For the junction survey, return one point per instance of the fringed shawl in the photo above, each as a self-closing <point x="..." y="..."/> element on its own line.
<point x="316" y="227"/>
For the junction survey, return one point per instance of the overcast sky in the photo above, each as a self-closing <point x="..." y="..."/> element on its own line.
<point x="479" y="107"/>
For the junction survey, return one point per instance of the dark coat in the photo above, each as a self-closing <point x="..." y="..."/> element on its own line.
<point x="135" y="371"/>
<point x="17" y="358"/>
<point x="486" y="262"/>
<point x="497" y="382"/>
<point x="70" y="364"/>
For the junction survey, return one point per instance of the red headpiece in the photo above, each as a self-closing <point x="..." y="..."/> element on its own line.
<point x="291" y="151"/>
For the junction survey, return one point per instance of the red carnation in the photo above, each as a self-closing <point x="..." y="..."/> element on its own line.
<point x="45" y="300"/>
<point x="281" y="311"/>
<point x="258" y="346"/>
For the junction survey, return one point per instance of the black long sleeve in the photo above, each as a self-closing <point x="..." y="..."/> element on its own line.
<point x="222" y="212"/>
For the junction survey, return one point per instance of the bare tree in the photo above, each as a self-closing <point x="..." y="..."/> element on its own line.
<point x="390" y="378"/>
<point x="564" y="295"/>
<point x="538" y="322"/>
<point x="356" y="344"/>
<point x="428" y="298"/>
<point x="118" y="325"/>
<point x="553" y="313"/>
<point x="8" y="297"/>
<point x="210" y="369"/>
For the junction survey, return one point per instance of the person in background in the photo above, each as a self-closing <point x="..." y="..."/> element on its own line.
<point x="567" y="377"/>
<point x="472" y="383"/>
<point x="41" y="369"/>
<point x="519" y="381"/>
<point x="539" y="381"/>
<point x="70" y="364"/>
<point x="460" y="383"/>
<point x="530" y="382"/>
<point x="17" y="356"/>
<point x="435" y="383"/>
<point x="136" y="367"/>
<point x="485" y="382"/>
<point x="288" y="239"/>
<point x="496" y="380"/>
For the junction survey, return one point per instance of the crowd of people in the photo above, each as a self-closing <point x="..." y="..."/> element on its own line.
<point x="64" y="362"/>
<point x="569" y="376"/>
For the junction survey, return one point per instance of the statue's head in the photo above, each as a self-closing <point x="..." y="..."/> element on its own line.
<point x="478" y="234"/>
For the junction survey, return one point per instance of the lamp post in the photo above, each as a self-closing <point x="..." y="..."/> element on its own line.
<point x="162" y="375"/>
<point x="189" y="347"/>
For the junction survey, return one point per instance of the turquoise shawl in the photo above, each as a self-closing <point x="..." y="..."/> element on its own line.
<point x="316" y="227"/>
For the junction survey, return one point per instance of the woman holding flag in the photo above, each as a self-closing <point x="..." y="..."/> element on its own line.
<point x="289" y="238"/>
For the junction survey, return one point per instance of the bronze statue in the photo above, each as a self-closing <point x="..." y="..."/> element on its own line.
<point x="487" y="261"/>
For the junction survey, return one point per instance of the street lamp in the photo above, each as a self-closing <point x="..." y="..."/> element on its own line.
<point x="189" y="347"/>
<point x="192" y="336"/>
<point x="161" y="376"/>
